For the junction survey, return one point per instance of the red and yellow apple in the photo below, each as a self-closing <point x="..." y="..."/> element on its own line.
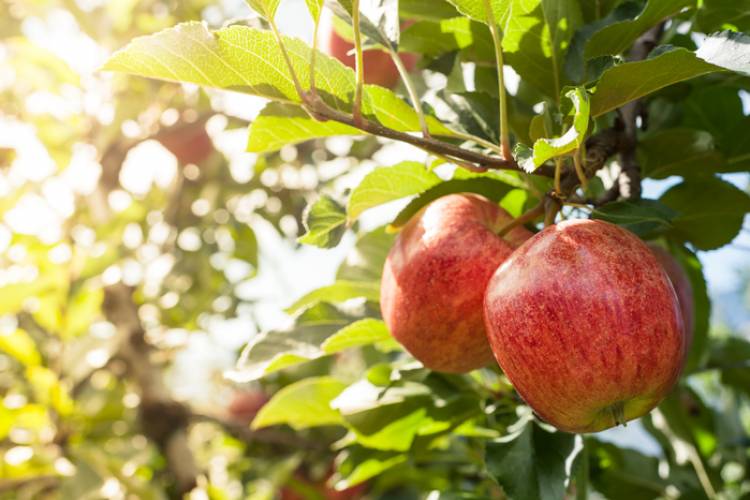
<point x="682" y="287"/>
<point x="244" y="405"/>
<point x="586" y="325"/>
<point x="435" y="276"/>
<point x="379" y="68"/>
<point x="190" y="142"/>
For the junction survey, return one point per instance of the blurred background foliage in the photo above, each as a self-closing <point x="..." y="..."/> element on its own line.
<point x="141" y="248"/>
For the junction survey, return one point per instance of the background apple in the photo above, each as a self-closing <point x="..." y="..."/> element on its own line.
<point x="190" y="142"/>
<point x="584" y="322"/>
<point x="682" y="287"/>
<point x="378" y="66"/>
<point x="245" y="405"/>
<point x="435" y="276"/>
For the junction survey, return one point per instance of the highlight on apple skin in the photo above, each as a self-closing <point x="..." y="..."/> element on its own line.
<point x="586" y="325"/>
<point x="435" y="276"/>
<point x="379" y="68"/>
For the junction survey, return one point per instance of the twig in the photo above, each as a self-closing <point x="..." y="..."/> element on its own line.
<point x="529" y="216"/>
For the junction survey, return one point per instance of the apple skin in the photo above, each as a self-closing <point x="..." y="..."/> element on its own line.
<point x="682" y="287"/>
<point x="322" y="489"/>
<point x="586" y="325"/>
<point x="190" y="143"/>
<point x="435" y="276"/>
<point x="245" y="405"/>
<point x="378" y="66"/>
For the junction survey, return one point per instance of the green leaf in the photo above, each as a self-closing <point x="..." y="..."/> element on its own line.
<point x="720" y="14"/>
<point x="546" y="149"/>
<point x="487" y="186"/>
<point x="245" y="244"/>
<point x="49" y="390"/>
<point x="302" y="405"/>
<point x="19" y="345"/>
<point x="359" y="464"/>
<point x="340" y="291"/>
<point x="385" y="184"/>
<point x="363" y="332"/>
<point x="365" y="261"/>
<point x="627" y="82"/>
<point x="325" y="223"/>
<point x="272" y="351"/>
<point x="249" y="60"/>
<point x="266" y="8"/>
<point x="646" y="218"/>
<point x="315" y="7"/>
<point x="530" y="463"/>
<point x="432" y="10"/>
<point x="711" y="211"/>
<point x="620" y="473"/>
<point x="618" y="37"/>
<point x="536" y="36"/>
<point x="732" y="357"/>
<point x="477" y="10"/>
<point x="279" y="124"/>
<point x="678" y="151"/>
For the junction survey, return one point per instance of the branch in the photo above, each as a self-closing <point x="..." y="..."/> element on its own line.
<point x="629" y="180"/>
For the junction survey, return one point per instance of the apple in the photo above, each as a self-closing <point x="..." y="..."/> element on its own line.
<point x="586" y="325"/>
<point x="190" y="142"/>
<point x="304" y="488"/>
<point x="379" y="68"/>
<point x="682" y="287"/>
<point x="435" y="276"/>
<point x="245" y="405"/>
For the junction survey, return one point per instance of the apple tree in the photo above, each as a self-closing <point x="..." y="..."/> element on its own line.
<point x="632" y="114"/>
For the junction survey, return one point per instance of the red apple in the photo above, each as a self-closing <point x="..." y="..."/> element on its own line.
<point x="435" y="276"/>
<point x="307" y="488"/>
<point x="245" y="405"/>
<point x="379" y="68"/>
<point x="586" y="325"/>
<point x="190" y="143"/>
<point x="682" y="287"/>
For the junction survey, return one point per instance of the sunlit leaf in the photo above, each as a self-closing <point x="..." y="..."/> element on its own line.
<point x="19" y="345"/>
<point x="325" y="223"/>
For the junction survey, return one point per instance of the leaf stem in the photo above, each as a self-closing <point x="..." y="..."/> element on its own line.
<point x="497" y="42"/>
<point x="582" y="474"/>
<point x="579" y="168"/>
<point x="359" y="66"/>
<point x="410" y="89"/>
<point x="287" y="59"/>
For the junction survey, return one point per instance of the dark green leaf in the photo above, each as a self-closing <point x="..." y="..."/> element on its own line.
<point x="679" y="151"/>
<point x="711" y="211"/>
<point x="325" y="222"/>
<point x="623" y="474"/>
<point x="616" y="38"/>
<point x="646" y="218"/>
<point x="717" y="15"/>
<point x="531" y="463"/>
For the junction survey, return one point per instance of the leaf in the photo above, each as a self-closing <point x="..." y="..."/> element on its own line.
<point x="732" y="357"/>
<point x="279" y="124"/>
<point x="340" y="291"/>
<point x="275" y="350"/>
<point x="315" y="7"/>
<point x="546" y="149"/>
<point x="302" y="405"/>
<point x="646" y="218"/>
<point x="325" y="223"/>
<point x="266" y="8"/>
<point x="531" y="462"/>
<point x="19" y="345"/>
<point x="620" y="473"/>
<point x="627" y="82"/>
<point x="249" y="60"/>
<point x="378" y="19"/>
<point x="358" y="464"/>
<point x="365" y="261"/>
<point x="49" y="390"/>
<point x="720" y="14"/>
<point x="363" y="332"/>
<point x="245" y="244"/>
<point x="701" y="306"/>
<point x="487" y="186"/>
<point x="477" y="10"/>
<point x="536" y="36"/>
<point x="616" y="38"/>
<point x="728" y="50"/>
<point x="432" y="10"/>
<point x="385" y="184"/>
<point x="711" y="211"/>
<point x="678" y="151"/>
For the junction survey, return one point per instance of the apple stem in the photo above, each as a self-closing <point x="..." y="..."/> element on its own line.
<point x="360" y="63"/>
<point x="503" y="95"/>
<point x="522" y="219"/>
<point x="618" y="413"/>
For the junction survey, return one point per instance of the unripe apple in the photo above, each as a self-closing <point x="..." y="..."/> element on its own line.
<point x="682" y="287"/>
<point x="586" y="325"/>
<point x="379" y="68"/>
<point x="435" y="276"/>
